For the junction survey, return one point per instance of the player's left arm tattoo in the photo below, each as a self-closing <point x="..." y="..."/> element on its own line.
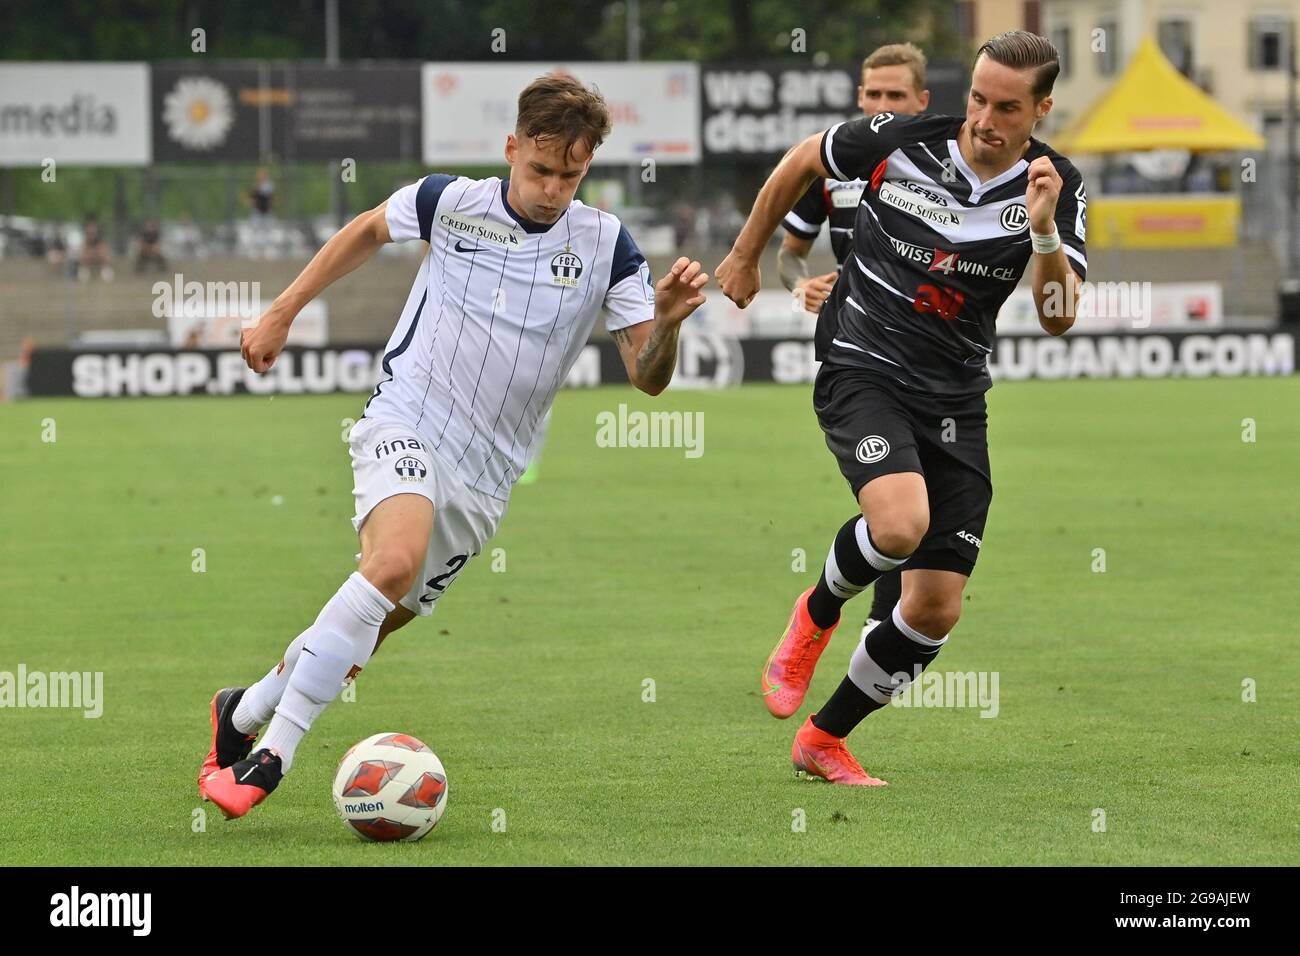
<point x="650" y="356"/>
<point x="657" y="358"/>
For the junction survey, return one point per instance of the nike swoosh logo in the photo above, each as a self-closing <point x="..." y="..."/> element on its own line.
<point x="767" y="670"/>
<point x="466" y="248"/>
<point x="309" y="650"/>
<point x="250" y="770"/>
<point x="808" y="759"/>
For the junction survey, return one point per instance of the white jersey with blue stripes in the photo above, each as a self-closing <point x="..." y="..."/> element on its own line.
<point x="498" y="314"/>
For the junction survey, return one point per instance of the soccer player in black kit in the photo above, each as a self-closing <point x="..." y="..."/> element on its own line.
<point x="893" y="81"/>
<point x="954" y="213"/>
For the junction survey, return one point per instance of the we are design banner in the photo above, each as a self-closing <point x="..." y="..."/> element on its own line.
<point x="757" y="111"/>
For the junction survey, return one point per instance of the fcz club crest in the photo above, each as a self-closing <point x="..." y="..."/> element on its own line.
<point x="566" y="268"/>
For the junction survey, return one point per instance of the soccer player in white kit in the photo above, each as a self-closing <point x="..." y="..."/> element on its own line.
<point x="516" y="275"/>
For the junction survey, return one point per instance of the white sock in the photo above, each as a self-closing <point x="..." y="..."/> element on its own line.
<point x="335" y="649"/>
<point x="258" y="703"/>
<point x="903" y="644"/>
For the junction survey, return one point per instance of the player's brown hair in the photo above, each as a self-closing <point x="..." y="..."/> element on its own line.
<point x="557" y="106"/>
<point x="899" y="54"/>
<point x="1022" y="50"/>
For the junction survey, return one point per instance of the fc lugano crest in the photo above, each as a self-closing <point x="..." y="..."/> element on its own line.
<point x="1015" y="217"/>
<point x="872" y="448"/>
<point x="566" y="268"/>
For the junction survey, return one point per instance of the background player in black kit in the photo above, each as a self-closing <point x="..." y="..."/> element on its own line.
<point x="953" y="214"/>
<point x="893" y="81"/>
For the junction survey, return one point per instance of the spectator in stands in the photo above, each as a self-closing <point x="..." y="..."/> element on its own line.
<point x="683" y="217"/>
<point x="187" y="239"/>
<point x="94" y="251"/>
<point x="262" y="197"/>
<point x="148" y="247"/>
<point x="725" y="221"/>
<point x="13" y="383"/>
<point x="56" y="251"/>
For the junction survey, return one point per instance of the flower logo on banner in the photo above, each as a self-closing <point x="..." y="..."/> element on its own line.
<point x="198" y="112"/>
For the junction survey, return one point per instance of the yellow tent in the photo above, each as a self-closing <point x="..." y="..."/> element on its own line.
<point x="1153" y="106"/>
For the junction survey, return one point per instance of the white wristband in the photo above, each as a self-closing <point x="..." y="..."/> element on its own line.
<point x="1048" y="243"/>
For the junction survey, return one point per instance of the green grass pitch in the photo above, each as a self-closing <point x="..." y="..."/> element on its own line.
<point x="1120" y="691"/>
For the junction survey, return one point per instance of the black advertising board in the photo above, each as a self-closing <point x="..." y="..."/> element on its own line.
<point x="704" y="361"/>
<point x="758" y="111"/>
<point x="259" y="112"/>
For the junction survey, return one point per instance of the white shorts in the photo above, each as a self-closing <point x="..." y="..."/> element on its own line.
<point x="388" y="458"/>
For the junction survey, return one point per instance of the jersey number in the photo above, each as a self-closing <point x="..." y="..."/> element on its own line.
<point x="439" y="581"/>
<point x="944" y="302"/>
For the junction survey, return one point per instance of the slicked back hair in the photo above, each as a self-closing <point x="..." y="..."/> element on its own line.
<point x="1022" y="50"/>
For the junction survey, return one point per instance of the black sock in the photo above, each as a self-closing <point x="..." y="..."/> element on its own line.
<point x="885" y="594"/>
<point x="887" y="660"/>
<point x="847" y="573"/>
<point x="846" y="708"/>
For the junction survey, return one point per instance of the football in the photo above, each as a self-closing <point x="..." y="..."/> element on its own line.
<point x="390" y="787"/>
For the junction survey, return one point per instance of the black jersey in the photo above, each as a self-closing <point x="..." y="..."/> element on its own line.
<point x="827" y="199"/>
<point x="935" y="251"/>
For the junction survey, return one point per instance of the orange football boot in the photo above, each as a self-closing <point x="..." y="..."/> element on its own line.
<point x="817" y="754"/>
<point x="228" y="744"/>
<point x="789" y="669"/>
<point x="243" y="785"/>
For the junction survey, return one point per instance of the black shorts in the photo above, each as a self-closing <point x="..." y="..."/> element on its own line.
<point x="875" y="427"/>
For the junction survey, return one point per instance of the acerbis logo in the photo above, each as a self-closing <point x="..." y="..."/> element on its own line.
<point x="1015" y="217"/>
<point x="872" y="449"/>
<point x="845" y="195"/>
<point x="363" y="807"/>
<point x="970" y="538"/>
<point x="879" y="120"/>
<point x="920" y="190"/>
<point x="410" y="469"/>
